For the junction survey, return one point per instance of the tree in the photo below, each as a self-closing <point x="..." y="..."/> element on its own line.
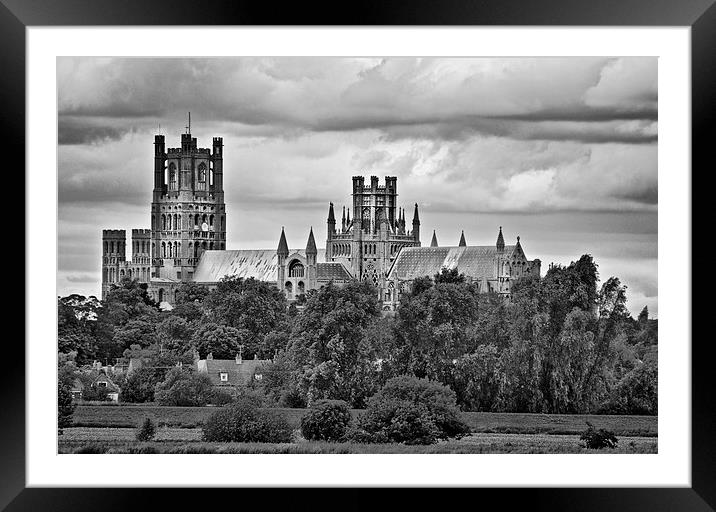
<point x="189" y="302"/>
<point x="140" y="331"/>
<point x="139" y="385"/>
<point x="77" y="326"/>
<point x="412" y="411"/>
<point x="328" y="347"/>
<point x="65" y="407"/>
<point x="477" y="379"/>
<point x="248" y="305"/>
<point x="221" y="341"/>
<point x="175" y="333"/>
<point x="184" y="388"/>
<point x="125" y="301"/>
<point x="434" y="327"/>
<point x="636" y="393"/>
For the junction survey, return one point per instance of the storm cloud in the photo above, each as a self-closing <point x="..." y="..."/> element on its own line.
<point x="478" y="142"/>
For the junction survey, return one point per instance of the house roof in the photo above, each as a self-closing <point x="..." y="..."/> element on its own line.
<point x="261" y="264"/>
<point x="102" y="377"/>
<point x="475" y="261"/>
<point x="238" y="374"/>
<point x="332" y="271"/>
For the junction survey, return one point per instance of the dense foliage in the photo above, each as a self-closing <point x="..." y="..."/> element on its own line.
<point x="563" y="343"/>
<point x="412" y="411"/>
<point x="326" y="420"/>
<point x="245" y="421"/>
<point x="146" y="431"/>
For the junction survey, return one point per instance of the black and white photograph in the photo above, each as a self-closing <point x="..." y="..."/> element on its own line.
<point x="357" y="255"/>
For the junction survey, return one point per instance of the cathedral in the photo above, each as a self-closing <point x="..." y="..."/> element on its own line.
<point x="187" y="240"/>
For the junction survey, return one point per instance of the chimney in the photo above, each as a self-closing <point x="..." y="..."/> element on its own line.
<point x="209" y="356"/>
<point x="238" y="359"/>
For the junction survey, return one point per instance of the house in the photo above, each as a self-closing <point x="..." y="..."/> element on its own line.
<point x="101" y="381"/>
<point x="230" y="373"/>
<point x="77" y="389"/>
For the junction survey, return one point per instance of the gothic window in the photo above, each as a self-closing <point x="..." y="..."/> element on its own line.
<point x="176" y="221"/>
<point x="164" y="222"/>
<point x="289" y="289"/>
<point x="121" y="274"/>
<point x="211" y="221"/>
<point x="164" y="250"/>
<point x="172" y="176"/>
<point x="301" y="288"/>
<point x="295" y="269"/>
<point x="196" y="221"/>
<point x="202" y="172"/>
<point x="170" y="250"/>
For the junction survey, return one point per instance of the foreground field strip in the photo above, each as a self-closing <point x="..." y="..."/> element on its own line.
<point x="99" y="440"/>
<point x="516" y="423"/>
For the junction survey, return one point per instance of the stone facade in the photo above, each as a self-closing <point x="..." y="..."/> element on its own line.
<point x="187" y="240"/>
<point x="188" y="217"/>
<point x="368" y="243"/>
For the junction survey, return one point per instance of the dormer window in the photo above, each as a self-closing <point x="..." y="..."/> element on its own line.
<point x="224" y="377"/>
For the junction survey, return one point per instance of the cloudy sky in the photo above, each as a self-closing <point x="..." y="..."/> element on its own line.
<point x="561" y="151"/>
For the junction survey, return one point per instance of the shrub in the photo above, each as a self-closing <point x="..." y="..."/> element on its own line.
<point x="65" y="408"/>
<point x="326" y="420"/>
<point x="244" y="421"/>
<point x="411" y="411"/>
<point x="598" y="439"/>
<point x="185" y="388"/>
<point x="146" y="430"/>
<point x="220" y="397"/>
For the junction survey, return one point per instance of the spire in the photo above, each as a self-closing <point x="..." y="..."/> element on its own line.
<point x="500" y="241"/>
<point x="462" y="240"/>
<point x="434" y="241"/>
<point x="416" y="218"/>
<point x="331" y="216"/>
<point x="310" y="245"/>
<point x="282" y="245"/>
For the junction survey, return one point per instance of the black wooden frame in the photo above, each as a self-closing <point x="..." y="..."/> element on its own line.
<point x="700" y="15"/>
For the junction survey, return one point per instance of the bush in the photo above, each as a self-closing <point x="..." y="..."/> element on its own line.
<point x="411" y="411"/>
<point x="65" y="408"/>
<point x="146" y="430"/>
<point x="326" y="420"/>
<point x="244" y="421"/>
<point x="139" y="386"/>
<point x="220" y="397"/>
<point x="185" y="388"/>
<point x="598" y="439"/>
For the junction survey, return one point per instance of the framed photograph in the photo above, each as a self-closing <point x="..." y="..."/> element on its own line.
<point x="506" y="192"/>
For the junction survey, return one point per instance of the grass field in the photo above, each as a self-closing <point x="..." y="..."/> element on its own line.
<point x="121" y="416"/>
<point x="185" y="440"/>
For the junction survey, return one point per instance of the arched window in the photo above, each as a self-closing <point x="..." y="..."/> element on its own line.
<point x="196" y="221"/>
<point x="211" y="221"/>
<point x="222" y="223"/>
<point x="121" y="274"/>
<point x="172" y="176"/>
<point x="289" y="289"/>
<point x="202" y="172"/>
<point x="164" y="250"/>
<point x="164" y="222"/>
<point x="169" y="248"/>
<point x="295" y="269"/>
<point x="161" y="294"/>
<point x="301" y="288"/>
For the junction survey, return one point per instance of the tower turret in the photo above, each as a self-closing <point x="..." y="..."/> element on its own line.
<point x="416" y="224"/>
<point x="462" y="240"/>
<point x="282" y="253"/>
<point x="159" y="162"/>
<point x="434" y="241"/>
<point x="500" y="241"/>
<point x="331" y="222"/>
<point x="311" y="250"/>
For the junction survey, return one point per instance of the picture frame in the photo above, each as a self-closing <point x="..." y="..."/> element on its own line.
<point x="17" y="15"/>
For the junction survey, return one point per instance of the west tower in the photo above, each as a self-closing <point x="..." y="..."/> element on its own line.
<point x="188" y="213"/>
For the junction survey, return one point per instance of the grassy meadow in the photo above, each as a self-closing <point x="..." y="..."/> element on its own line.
<point x="111" y="429"/>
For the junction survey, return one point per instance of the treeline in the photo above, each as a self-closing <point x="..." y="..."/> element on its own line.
<point x="562" y="344"/>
